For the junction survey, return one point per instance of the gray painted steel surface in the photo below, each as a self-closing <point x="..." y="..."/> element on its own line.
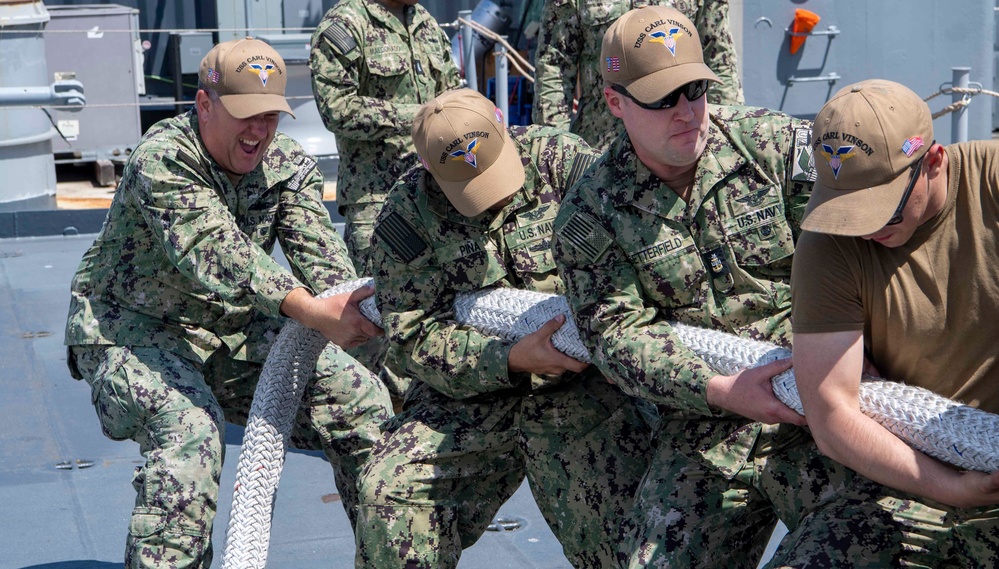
<point x="27" y="170"/>
<point x="913" y="42"/>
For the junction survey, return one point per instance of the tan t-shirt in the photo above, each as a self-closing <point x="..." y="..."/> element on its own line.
<point x="930" y="308"/>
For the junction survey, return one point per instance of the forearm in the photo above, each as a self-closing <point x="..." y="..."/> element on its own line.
<point x="642" y="355"/>
<point x="356" y="117"/>
<point x="299" y="305"/>
<point x="859" y="442"/>
<point x="646" y="363"/>
<point x="827" y="372"/>
<point x="455" y="360"/>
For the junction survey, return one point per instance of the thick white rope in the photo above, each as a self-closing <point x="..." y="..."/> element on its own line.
<point x="958" y="434"/>
<point x="290" y="365"/>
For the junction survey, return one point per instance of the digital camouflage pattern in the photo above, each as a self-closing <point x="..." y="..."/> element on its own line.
<point x="176" y="410"/>
<point x="370" y="74"/>
<point x="569" y="48"/>
<point x="635" y="256"/>
<point x="471" y="430"/>
<point x="183" y="261"/>
<point x="686" y="515"/>
<point x="173" y="310"/>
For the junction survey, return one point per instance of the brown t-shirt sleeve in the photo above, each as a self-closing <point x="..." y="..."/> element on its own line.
<point x="826" y="285"/>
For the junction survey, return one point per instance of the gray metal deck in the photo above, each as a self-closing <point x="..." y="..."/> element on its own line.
<point x="53" y="518"/>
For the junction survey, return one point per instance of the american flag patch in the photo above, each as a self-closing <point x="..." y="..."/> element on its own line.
<point x="911" y="145"/>
<point x="613" y="64"/>
<point x="213" y="75"/>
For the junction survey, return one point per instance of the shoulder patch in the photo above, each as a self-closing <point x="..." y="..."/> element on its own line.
<point x="803" y="164"/>
<point x="400" y="237"/>
<point x="201" y="168"/>
<point x="338" y="36"/>
<point x="305" y="166"/>
<point x="586" y="236"/>
<point x="579" y="165"/>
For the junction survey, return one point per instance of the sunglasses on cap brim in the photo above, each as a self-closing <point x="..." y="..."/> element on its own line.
<point x="692" y="91"/>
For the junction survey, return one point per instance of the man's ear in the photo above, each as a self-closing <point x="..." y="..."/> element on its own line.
<point x="934" y="159"/>
<point x="202" y="103"/>
<point x="614" y="101"/>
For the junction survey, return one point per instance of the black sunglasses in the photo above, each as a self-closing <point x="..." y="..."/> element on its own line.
<point x="693" y="91"/>
<point x="897" y="218"/>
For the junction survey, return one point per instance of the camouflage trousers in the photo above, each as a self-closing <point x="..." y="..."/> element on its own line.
<point x="176" y="410"/>
<point x="360" y="227"/>
<point x="444" y="468"/>
<point x="687" y="514"/>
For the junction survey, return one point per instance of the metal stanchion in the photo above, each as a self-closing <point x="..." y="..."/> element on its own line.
<point x="959" y="122"/>
<point x="468" y="50"/>
<point x="502" y="82"/>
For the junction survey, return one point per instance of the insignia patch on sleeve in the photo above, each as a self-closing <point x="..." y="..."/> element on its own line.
<point x="339" y="37"/>
<point x="803" y="165"/>
<point x="579" y="165"/>
<point x="583" y="233"/>
<point x="400" y="237"/>
<point x="305" y="166"/>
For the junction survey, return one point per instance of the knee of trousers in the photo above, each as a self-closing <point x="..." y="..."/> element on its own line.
<point x="408" y="537"/>
<point x="189" y="449"/>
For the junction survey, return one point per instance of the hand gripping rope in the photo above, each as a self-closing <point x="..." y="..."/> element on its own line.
<point x="955" y="433"/>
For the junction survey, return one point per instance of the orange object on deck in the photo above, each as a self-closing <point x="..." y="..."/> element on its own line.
<point x="803" y="23"/>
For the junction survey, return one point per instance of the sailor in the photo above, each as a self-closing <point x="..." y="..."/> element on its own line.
<point x="691" y="216"/>
<point x="374" y="62"/>
<point x="567" y="60"/>
<point x="485" y="412"/>
<point x="176" y="304"/>
<point x="897" y="262"/>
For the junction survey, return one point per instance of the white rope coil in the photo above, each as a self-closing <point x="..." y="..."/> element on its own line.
<point x="958" y="434"/>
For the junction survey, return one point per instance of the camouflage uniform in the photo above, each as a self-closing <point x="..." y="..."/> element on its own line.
<point x="471" y="430"/>
<point x="370" y="74"/>
<point x="569" y="49"/>
<point x="174" y="308"/>
<point x="634" y="257"/>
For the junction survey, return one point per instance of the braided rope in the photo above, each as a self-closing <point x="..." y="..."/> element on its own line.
<point x="958" y="434"/>
<point x="955" y="433"/>
<point x="290" y="365"/>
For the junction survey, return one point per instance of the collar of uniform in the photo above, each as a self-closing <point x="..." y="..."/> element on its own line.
<point x="719" y="159"/>
<point x="648" y="192"/>
<point x="381" y="14"/>
<point x="217" y="173"/>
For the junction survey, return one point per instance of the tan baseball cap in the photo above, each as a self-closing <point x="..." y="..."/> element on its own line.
<point x="248" y="75"/>
<point x="864" y="142"/>
<point x="462" y="141"/>
<point x="653" y="51"/>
